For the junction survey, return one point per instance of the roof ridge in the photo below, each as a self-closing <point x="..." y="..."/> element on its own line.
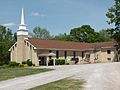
<point x="73" y="41"/>
<point x="59" y="40"/>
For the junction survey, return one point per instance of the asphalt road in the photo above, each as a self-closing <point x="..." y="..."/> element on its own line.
<point x="97" y="76"/>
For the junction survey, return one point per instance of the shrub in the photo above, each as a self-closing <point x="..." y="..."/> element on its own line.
<point x="60" y="62"/>
<point x="13" y="64"/>
<point x="66" y="63"/>
<point x="21" y="65"/>
<point x="24" y="62"/>
<point x="1" y="64"/>
<point x="29" y="62"/>
<point x="25" y="65"/>
<point x="50" y="62"/>
<point x="57" y="62"/>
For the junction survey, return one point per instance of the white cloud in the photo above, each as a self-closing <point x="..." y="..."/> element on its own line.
<point x="42" y="15"/>
<point x="38" y="14"/>
<point x="35" y="14"/>
<point x="9" y="24"/>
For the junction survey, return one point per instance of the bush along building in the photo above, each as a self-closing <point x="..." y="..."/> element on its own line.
<point x="45" y="52"/>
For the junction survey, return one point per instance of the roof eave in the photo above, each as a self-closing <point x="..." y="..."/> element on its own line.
<point x="12" y="46"/>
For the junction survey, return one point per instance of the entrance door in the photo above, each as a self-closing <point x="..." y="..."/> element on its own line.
<point x="42" y="61"/>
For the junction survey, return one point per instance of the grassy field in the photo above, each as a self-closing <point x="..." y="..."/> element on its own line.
<point x="64" y="84"/>
<point x="9" y="73"/>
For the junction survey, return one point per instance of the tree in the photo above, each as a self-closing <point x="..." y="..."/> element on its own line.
<point x="15" y="36"/>
<point x="95" y="37"/>
<point x="113" y="16"/>
<point x="63" y="37"/>
<point x="83" y="34"/>
<point x="39" y="32"/>
<point x="105" y="34"/>
<point x="6" y="40"/>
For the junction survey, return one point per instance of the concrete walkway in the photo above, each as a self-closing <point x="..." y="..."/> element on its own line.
<point x="97" y="77"/>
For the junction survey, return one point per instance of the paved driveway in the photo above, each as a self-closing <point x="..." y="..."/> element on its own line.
<point x="97" y="76"/>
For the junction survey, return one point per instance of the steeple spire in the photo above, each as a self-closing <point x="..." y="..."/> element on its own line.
<point x="22" y="27"/>
<point x="22" y="17"/>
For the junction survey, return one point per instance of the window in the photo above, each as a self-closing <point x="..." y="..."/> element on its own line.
<point x="65" y="54"/>
<point x="15" y="45"/>
<point x="27" y="44"/>
<point x="108" y="51"/>
<point x="109" y="59"/>
<point x="57" y="54"/>
<point x="30" y="46"/>
<point x="13" y="48"/>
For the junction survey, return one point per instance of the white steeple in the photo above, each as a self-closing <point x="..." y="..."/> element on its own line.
<point x="22" y="27"/>
<point x="22" y="17"/>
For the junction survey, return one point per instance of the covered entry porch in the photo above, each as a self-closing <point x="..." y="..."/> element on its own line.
<point x="44" y="58"/>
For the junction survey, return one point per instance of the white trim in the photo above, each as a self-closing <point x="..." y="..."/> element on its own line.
<point x="30" y="43"/>
<point x="73" y="49"/>
<point x="63" y="49"/>
<point x="12" y="46"/>
<point x="21" y="32"/>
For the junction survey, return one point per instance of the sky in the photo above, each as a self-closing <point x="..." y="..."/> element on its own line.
<point x="57" y="16"/>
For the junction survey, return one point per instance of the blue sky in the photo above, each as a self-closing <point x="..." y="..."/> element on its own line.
<point x="57" y="16"/>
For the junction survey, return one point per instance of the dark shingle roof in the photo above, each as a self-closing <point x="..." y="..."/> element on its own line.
<point x="67" y="45"/>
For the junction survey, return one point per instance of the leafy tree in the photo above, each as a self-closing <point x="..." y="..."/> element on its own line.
<point x="63" y="37"/>
<point x="39" y="32"/>
<point x="15" y="36"/>
<point x="6" y="40"/>
<point x="105" y="34"/>
<point x="113" y="15"/>
<point x="95" y="37"/>
<point x="83" y="34"/>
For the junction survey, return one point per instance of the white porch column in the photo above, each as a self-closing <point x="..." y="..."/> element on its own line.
<point x="47" y="62"/>
<point x="52" y="55"/>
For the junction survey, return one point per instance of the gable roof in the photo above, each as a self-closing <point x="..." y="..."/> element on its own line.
<point x="67" y="45"/>
<point x="12" y="46"/>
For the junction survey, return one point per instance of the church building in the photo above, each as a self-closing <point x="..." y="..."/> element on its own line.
<point x="40" y="51"/>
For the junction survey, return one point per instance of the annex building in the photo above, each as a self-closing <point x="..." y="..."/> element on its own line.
<point x="40" y="51"/>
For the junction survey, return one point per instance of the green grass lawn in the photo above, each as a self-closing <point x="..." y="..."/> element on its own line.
<point x="9" y="73"/>
<point x="64" y="84"/>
